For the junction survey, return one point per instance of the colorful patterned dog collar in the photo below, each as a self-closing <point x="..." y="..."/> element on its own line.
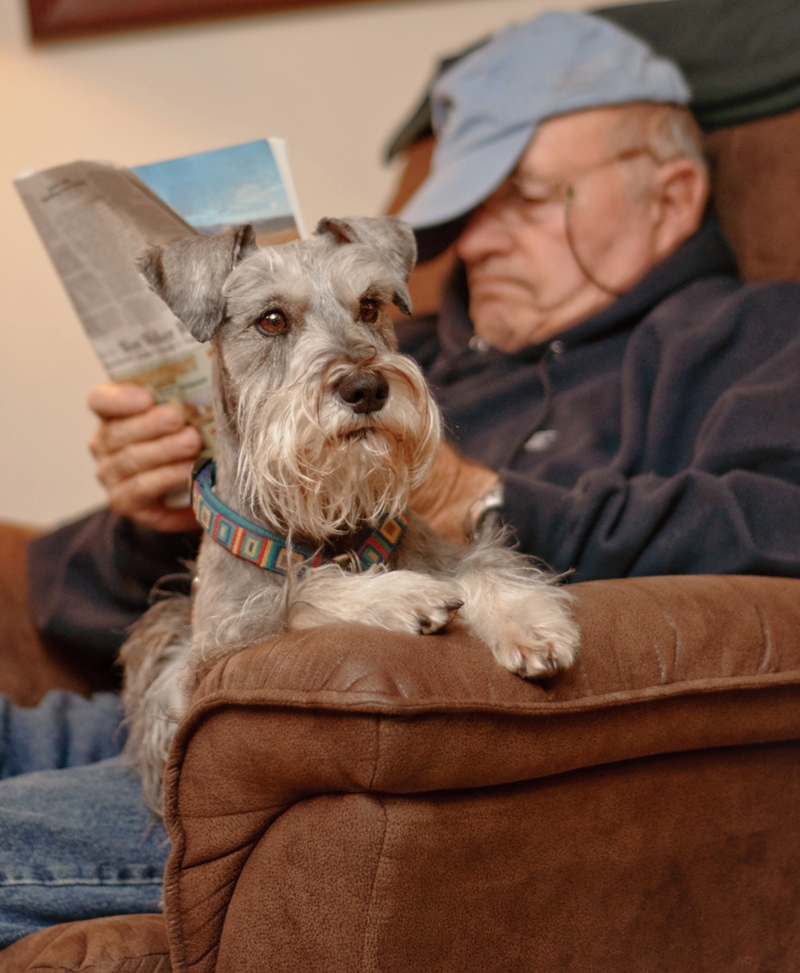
<point x="268" y="551"/>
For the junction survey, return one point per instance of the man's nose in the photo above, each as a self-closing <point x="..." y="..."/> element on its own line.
<point x="485" y="234"/>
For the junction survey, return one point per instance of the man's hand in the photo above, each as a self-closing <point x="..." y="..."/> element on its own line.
<point x="454" y="484"/>
<point x="144" y="452"/>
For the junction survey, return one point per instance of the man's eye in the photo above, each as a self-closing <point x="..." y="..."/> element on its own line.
<point x="368" y="310"/>
<point x="537" y="193"/>
<point x="272" y="322"/>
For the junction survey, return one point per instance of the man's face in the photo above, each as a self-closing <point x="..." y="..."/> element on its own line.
<point x="538" y="263"/>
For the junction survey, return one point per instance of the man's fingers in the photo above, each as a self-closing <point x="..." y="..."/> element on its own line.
<point x="115" y="434"/>
<point x="144" y="452"/>
<point x="165" y="520"/>
<point x="144" y="491"/>
<point x="138" y="457"/>
<point x="111" y="400"/>
<point x="140" y="498"/>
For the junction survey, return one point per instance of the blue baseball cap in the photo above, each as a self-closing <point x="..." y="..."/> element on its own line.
<point x="486" y="109"/>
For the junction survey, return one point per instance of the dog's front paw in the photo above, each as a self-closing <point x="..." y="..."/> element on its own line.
<point x="402" y="601"/>
<point x="530" y="632"/>
<point x="416" y="603"/>
<point x="531" y="653"/>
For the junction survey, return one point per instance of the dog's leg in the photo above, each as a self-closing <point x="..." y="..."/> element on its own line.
<point x="403" y="601"/>
<point x="153" y="696"/>
<point x="518" y="610"/>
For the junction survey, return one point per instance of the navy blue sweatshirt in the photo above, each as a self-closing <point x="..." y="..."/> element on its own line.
<point x="660" y="436"/>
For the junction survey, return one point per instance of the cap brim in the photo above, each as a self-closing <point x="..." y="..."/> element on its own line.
<point x="455" y="187"/>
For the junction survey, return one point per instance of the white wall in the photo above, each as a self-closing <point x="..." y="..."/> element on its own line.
<point x="333" y="83"/>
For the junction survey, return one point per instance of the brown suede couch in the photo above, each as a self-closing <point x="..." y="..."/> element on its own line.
<point x="351" y="799"/>
<point x="348" y="799"/>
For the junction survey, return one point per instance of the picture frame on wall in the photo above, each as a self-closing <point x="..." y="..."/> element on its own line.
<point x="53" y="20"/>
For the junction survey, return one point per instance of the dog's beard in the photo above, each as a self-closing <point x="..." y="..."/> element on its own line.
<point x="313" y="468"/>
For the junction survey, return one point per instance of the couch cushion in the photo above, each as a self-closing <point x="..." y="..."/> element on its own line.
<point x="113" y="944"/>
<point x="756" y="188"/>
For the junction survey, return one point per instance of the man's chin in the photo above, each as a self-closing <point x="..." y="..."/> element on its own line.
<point x="506" y="326"/>
<point x="502" y="335"/>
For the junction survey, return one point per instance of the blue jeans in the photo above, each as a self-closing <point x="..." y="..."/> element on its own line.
<point x="76" y="838"/>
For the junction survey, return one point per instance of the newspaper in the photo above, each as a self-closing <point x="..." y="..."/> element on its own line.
<point x="95" y="219"/>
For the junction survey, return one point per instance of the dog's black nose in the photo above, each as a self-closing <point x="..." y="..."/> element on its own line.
<point x="364" y="391"/>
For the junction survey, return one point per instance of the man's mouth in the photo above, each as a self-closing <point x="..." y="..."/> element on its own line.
<point x="488" y="282"/>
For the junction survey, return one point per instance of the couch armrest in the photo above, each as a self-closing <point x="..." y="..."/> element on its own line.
<point x="667" y="665"/>
<point x="28" y="668"/>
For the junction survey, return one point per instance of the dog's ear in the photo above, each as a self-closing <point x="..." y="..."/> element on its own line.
<point x="188" y="275"/>
<point x="391" y="237"/>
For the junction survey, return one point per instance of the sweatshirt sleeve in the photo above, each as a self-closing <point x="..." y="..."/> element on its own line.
<point x="707" y="477"/>
<point x="91" y="580"/>
<point x="613" y="526"/>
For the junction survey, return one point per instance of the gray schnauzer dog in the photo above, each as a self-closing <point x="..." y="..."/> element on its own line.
<point x="323" y="431"/>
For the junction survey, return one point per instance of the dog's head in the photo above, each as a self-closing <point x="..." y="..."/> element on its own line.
<point x="331" y="427"/>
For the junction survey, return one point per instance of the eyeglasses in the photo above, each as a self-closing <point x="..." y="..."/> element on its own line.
<point x="522" y="198"/>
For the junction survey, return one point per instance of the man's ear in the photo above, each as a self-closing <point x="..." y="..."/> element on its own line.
<point x="681" y="196"/>
<point x="392" y="238"/>
<point x="188" y="275"/>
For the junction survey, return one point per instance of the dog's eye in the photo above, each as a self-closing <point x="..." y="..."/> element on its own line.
<point x="368" y="310"/>
<point x="272" y="322"/>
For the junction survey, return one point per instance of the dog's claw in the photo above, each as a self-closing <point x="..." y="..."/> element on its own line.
<point x="547" y="668"/>
<point x="551" y="666"/>
<point x="427" y="625"/>
<point x="424" y="624"/>
<point x="438" y="619"/>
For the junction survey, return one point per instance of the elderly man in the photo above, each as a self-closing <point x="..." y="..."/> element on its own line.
<point x="597" y="350"/>
<point x="611" y="389"/>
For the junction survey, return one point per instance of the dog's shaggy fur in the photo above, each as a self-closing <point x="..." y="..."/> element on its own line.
<point x="322" y="428"/>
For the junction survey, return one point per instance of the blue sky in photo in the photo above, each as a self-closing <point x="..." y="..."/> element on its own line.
<point x="237" y="184"/>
